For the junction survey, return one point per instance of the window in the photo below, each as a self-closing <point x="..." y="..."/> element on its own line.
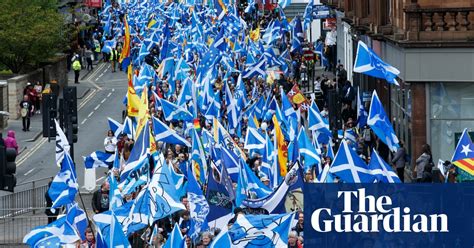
<point x="450" y="112"/>
<point x="400" y="102"/>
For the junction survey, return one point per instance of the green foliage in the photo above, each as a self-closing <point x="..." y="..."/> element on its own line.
<point x="31" y="31"/>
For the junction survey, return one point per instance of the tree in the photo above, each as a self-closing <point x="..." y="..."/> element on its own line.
<point x="31" y="31"/>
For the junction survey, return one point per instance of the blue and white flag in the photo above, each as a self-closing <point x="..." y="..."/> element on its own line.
<point x="348" y="166"/>
<point x="219" y="194"/>
<point x="186" y="92"/>
<point x="298" y="37"/>
<point x="64" y="187"/>
<point x="58" y="233"/>
<point x="99" y="159"/>
<point x="129" y="127"/>
<point x="311" y="155"/>
<point x="316" y="122"/>
<point x="230" y="160"/>
<point x="198" y="206"/>
<point x="254" y="139"/>
<point x="175" y="112"/>
<point x="257" y="69"/>
<point x="115" y="126"/>
<point x="111" y="230"/>
<point x="262" y="230"/>
<point x="175" y="239"/>
<point x="78" y="219"/>
<point x="308" y="15"/>
<point x="233" y="110"/>
<point x="250" y="185"/>
<point x="222" y="240"/>
<point x="380" y="124"/>
<point x="166" y="134"/>
<point x="367" y="62"/>
<point x="115" y="197"/>
<point x="320" y="51"/>
<point x="381" y="170"/>
<point x="62" y="144"/>
<point x="136" y="172"/>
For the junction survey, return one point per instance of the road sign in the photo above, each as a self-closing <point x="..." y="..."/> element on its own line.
<point x="321" y="12"/>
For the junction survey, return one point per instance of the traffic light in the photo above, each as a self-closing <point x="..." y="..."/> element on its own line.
<point x="50" y="110"/>
<point x="70" y="113"/>
<point x="7" y="168"/>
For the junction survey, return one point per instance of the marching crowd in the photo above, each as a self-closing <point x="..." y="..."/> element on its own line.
<point x="334" y="96"/>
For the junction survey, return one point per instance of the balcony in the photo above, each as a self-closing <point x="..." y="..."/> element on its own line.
<point x="439" y="24"/>
<point x="338" y="4"/>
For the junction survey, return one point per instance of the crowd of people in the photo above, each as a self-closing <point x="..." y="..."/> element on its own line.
<point x="334" y="95"/>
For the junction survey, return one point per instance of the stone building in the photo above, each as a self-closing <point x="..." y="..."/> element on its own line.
<point x="431" y="42"/>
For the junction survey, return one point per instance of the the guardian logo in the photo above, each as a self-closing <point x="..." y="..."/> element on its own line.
<point x="375" y="215"/>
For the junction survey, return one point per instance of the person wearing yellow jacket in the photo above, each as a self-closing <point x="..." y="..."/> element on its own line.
<point x="76" y="67"/>
<point x="113" y="58"/>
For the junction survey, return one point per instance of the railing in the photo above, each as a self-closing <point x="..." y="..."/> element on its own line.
<point x="438" y="24"/>
<point x="13" y="229"/>
<point x="28" y="200"/>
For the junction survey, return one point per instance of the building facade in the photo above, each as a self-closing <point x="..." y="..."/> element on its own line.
<point x="431" y="42"/>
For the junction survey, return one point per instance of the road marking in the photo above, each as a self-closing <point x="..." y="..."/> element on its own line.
<point x="108" y="95"/>
<point x="26" y="174"/>
<point x="97" y="107"/>
<point x="83" y="121"/>
<point x="113" y="90"/>
<point x="90" y="114"/>
<point x="100" y="178"/>
<point x="103" y="100"/>
<point x="28" y="153"/>
<point x="87" y="99"/>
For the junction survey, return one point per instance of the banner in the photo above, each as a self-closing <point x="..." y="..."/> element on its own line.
<point x="296" y="96"/>
<point x="93" y="3"/>
<point x="388" y="215"/>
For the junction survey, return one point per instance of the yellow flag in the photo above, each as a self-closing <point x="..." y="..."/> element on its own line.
<point x="133" y="101"/>
<point x="255" y="34"/>
<point x="282" y="147"/>
<point x="143" y="114"/>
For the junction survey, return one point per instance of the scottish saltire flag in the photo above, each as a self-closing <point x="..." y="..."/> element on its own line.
<point x="351" y="136"/>
<point x="254" y="140"/>
<point x="186" y="92"/>
<point x="233" y="111"/>
<point x="175" y="112"/>
<point x="251" y="186"/>
<point x="99" y="159"/>
<point x="62" y="144"/>
<point x="199" y="156"/>
<point x="115" y="126"/>
<point x="115" y="197"/>
<point x="348" y="166"/>
<point x="198" y="207"/>
<point x="316" y="122"/>
<point x="381" y="170"/>
<point x="367" y="62"/>
<point x="361" y="112"/>
<point x="167" y="135"/>
<point x="322" y="176"/>
<point x="175" y="239"/>
<point x="330" y="152"/>
<point x="111" y="230"/>
<point x="129" y="127"/>
<point x="230" y="160"/>
<point x="463" y="156"/>
<point x="380" y="124"/>
<point x="64" y="187"/>
<point x="78" y="219"/>
<point x="56" y="234"/>
<point x="311" y="156"/>
<point x="257" y="69"/>
<point x="298" y="37"/>
<point x="262" y="230"/>
<point x="320" y="51"/>
<point x="137" y="160"/>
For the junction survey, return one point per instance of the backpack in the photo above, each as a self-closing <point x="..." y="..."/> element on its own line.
<point x="76" y="65"/>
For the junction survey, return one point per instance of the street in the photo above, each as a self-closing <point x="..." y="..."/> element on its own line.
<point x="104" y="90"/>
